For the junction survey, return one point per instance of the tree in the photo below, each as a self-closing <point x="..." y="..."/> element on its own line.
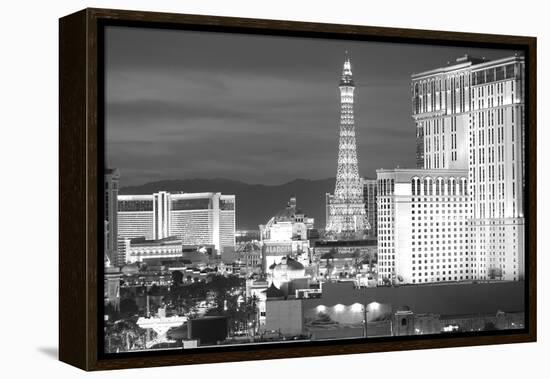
<point x="373" y="257"/>
<point x="112" y="313"/>
<point x="489" y="326"/>
<point x="329" y="270"/>
<point x="356" y="256"/>
<point x="128" y="307"/>
<point x="177" y="278"/>
<point x="328" y="257"/>
<point x="185" y="298"/>
<point x="153" y="290"/>
<point x="124" y="335"/>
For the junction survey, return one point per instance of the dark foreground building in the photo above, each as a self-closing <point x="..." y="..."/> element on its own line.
<point x="342" y="309"/>
<point x="208" y="330"/>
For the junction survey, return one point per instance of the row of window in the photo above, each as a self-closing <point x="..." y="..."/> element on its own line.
<point x="439" y="186"/>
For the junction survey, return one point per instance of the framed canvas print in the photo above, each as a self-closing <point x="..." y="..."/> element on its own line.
<point x="237" y="189"/>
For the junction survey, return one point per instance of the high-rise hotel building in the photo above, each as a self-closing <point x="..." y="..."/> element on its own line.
<point x="195" y="218"/>
<point x="469" y="117"/>
<point x="497" y="168"/>
<point x="369" y="197"/>
<point x="112" y="177"/>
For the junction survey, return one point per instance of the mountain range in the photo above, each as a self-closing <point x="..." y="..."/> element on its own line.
<point x="255" y="203"/>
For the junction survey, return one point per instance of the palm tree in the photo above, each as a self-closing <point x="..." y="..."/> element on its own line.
<point x="356" y="256"/>
<point x="329" y="256"/>
<point x="251" y="308"/>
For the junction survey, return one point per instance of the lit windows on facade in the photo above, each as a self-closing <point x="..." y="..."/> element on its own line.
<point x="423" y="228"/>
<point x="195" y="218"/>
<point x="479" y="126"/>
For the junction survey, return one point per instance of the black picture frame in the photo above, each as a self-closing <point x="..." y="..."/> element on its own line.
<point x="81" y="186"/>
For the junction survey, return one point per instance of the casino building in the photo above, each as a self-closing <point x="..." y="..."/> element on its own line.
<point x="141" y="249"/>
<point x="423" y="234"/>
<point x="470" y="115"/>
<point x="286" y="234"/>
<point x="460" y="215"/>
<point x="194" y="218"/>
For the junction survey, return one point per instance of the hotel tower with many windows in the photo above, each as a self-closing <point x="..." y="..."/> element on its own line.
<point x="195" y="218"/>
<point x="112" y="177"/>
<point x="369" y="197"/>
<point x="469" y="116"/>
<point x="423" y="226"/>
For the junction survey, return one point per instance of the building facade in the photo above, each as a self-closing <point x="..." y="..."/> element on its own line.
<point x="141" y="249"/>
<point x="285" y="234"/>
<point x="428" y="309"/>
<point x="423" y="234"/>
<point x="470" y="115"/>
<point x="369" y="197"/>
<point x="112" y="177"/>
<point x="195" y="218"/>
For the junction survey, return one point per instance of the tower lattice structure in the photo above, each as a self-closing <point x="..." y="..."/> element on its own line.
<point x="346" y="214"/>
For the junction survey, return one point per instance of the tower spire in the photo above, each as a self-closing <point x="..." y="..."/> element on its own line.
<point x="347" y="75"/>
<point x="346" y="213"/>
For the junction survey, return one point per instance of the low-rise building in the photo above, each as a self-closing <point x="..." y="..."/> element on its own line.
<point x="141" y="249"/>
<point x="342" y="309"/>
<point x="195" y="218"/>
<point x="256" y="289"/>
<point x="285" y="234"/>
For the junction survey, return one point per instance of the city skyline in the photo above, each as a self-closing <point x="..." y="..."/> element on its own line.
<point x="447" y="199"/>
<point x="273" y="98"/>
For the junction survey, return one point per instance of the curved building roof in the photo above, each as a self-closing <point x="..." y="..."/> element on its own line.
<point x="291" y="265"/>
<point x="287" y="214"/>
<point x="273" y="291"/>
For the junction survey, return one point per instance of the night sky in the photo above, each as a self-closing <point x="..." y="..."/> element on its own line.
<point x="259" y="109"/>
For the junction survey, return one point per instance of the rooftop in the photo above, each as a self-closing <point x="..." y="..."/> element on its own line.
<point x="464" y="62"/>
<point x="168" y="241"/>
<point x="273" y="291"/>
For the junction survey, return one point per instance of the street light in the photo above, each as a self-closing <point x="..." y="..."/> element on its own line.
<point x="375" y="306"/>
<point x="365" y="319"/>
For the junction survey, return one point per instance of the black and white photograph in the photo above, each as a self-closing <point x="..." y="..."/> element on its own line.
<point x="264" y="189"/>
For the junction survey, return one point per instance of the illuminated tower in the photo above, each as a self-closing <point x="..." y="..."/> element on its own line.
<point x="346" y="213"/>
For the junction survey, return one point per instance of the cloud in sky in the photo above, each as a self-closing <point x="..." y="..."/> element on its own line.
<point x="260" y="109"/>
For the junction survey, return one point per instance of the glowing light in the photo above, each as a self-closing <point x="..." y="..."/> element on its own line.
<point x="339" y="307"/>
<point x="357" y="307"/>
<point x="450" y="328"/>
<point x="321" y="308"/>
<point x="374" y="306"/>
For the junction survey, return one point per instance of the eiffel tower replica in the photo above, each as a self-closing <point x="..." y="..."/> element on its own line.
<point x="346" y="207"/>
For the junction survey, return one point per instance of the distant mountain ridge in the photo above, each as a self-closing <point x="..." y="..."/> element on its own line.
<point x="255" y="203"/>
